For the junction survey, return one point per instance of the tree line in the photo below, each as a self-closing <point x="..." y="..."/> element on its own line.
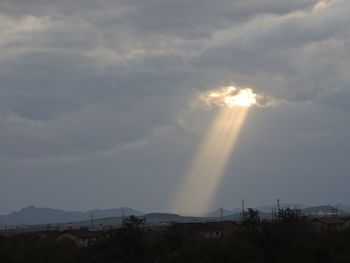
<point x="289" y="238"/>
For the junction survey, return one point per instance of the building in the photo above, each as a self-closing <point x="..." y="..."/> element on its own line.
<point x="331" y="223"/>
<point x="81" y="237"/>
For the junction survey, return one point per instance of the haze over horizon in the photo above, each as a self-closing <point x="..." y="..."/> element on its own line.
<point x="261" y="208"/>
<point x="99" y="100"/>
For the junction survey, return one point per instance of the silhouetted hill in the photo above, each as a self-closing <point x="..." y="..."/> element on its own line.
<point x="345" y="208"/>
<point x="110" y="222"/>
<point x="225" y="212"/>
<point x="41" y="216"/>
<point x="32" y="215"/>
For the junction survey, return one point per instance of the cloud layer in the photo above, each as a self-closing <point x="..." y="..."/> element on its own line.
<point x="108" y="82"/>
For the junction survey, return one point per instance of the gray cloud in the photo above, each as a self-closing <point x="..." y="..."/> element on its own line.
<point x="108" y="84"/>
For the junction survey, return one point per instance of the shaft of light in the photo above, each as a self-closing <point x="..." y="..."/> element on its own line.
<point x="203" y="177"/>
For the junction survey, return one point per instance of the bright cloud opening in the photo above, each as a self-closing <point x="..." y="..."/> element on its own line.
<point x="244" y="98"/>
<point x="235" y="97"/>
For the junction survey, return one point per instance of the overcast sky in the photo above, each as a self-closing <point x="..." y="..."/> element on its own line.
<point x="96" y="100"/>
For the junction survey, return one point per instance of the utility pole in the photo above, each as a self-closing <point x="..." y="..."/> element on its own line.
<point x="92" y="221"/>
<point x="243" y="210"/>
<point x="278" y="207"/>
<point x="221" y="214"/>
<point x="123" y="217"/>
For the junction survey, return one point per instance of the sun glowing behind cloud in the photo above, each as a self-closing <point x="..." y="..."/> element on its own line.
<point x="235" y="97"/>
<point x="244" y="98"/>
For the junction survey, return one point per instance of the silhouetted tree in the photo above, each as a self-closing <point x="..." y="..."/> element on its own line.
<point x="288" y="215"/>
<point x="133" y="222"/>
<point x="251" y="218"/>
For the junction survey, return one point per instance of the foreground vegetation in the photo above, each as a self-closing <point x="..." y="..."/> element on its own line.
<point x="288" y="239"/>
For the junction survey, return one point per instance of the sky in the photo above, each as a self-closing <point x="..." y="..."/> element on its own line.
<point x="99" y="100"/>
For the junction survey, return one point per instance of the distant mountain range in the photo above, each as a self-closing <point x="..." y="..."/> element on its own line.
<point x="41" y="216"/>
<point x="35" y="215"/>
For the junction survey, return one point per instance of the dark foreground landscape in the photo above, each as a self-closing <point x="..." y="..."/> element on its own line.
<point x="290" y="237"/>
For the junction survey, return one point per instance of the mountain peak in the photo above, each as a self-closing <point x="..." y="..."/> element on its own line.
<point x="29" y="207"/>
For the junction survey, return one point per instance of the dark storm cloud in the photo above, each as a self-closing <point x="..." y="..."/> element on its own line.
<point x="104" y="83"/>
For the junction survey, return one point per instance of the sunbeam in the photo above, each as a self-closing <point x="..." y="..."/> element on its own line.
<point x="207" y="168"/>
